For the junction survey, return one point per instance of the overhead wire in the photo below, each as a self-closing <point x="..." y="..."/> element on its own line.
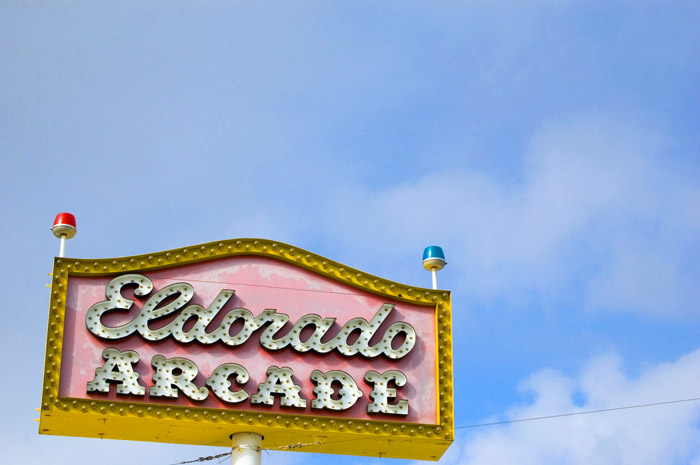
<point x="264" y="286"/>
<point x="476" y="425"/>
<point x="571" y="414"/>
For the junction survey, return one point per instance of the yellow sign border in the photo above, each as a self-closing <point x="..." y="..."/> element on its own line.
<point x="206" y="426"/>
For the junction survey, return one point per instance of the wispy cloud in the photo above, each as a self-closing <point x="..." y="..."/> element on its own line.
<point x="651" y="435"/>
<point x="599" y="211"/>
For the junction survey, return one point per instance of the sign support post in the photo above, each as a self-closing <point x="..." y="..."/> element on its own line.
<point x="62" y="247"/>
<point x="246" y="448"/>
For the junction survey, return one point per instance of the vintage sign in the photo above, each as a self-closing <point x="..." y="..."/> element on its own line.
<point x="192" y="345"/>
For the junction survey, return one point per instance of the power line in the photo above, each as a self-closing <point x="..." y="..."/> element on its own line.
<point x="266" y="286"/>
<point x="585" y="412"/>
<point x="519" y="420"/>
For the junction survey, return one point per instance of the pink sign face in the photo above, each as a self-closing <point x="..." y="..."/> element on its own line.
<point x="256" y="284"/>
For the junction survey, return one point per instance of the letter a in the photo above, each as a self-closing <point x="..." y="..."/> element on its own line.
<point x="126" y="378"/>
<point x="279" y="381"/>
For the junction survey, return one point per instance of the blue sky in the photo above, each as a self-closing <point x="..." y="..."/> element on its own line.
<point x="551" y="148"/>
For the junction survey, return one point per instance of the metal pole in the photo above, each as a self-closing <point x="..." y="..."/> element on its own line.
<point x="245" y="448"/>
<point x="434" y="278"/>
<point x="62" y="249"/>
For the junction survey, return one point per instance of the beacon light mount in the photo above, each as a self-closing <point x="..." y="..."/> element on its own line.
<point x="64" y="227"/>
<point x="434" y="261"/>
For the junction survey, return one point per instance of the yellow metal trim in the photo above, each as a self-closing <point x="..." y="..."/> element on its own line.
<point x="192" y="425"/>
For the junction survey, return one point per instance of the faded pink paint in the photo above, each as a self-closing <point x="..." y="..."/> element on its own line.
<point x="259" y="283"/>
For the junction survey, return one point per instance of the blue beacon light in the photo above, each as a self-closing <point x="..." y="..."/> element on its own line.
<point x="434" y="261"/>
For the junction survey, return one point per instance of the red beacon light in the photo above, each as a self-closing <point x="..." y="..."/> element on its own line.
<point x="64" y="225"/>
<point x="64" y="228"/>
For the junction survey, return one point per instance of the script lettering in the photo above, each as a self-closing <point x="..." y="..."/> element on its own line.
<point x="178" y="295"/>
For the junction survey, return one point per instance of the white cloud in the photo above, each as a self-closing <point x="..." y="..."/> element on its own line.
<point x="601" y="210"/>
<point x="650" y="435"/>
